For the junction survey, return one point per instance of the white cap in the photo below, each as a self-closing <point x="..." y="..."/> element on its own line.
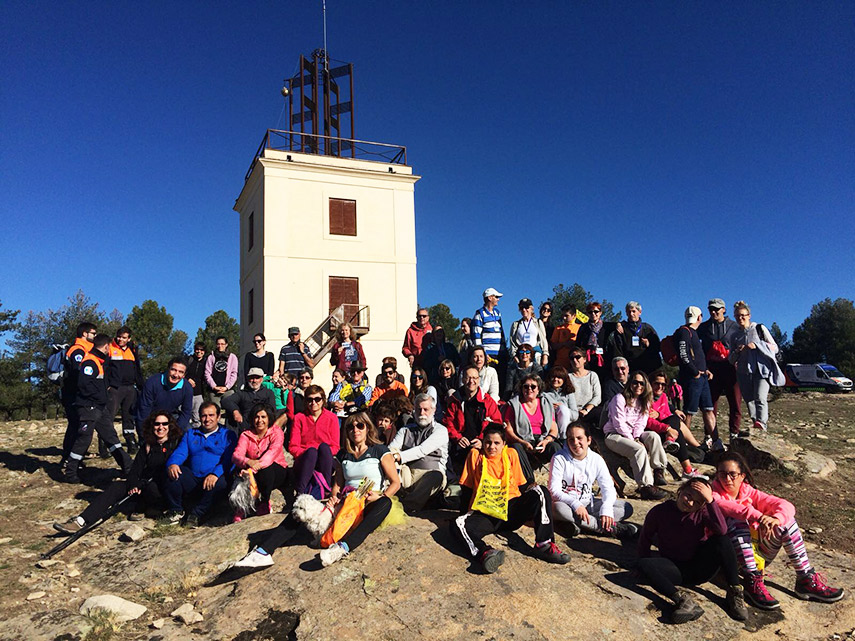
<point x="491" y="291"/>
<point x="255" y="371"/>
<point x="692" y="314"/>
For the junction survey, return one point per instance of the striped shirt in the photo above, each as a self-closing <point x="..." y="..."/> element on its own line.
<point x="487" y="330"/>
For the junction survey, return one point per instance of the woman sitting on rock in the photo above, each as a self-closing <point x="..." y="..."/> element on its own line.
<point x="495" y="491"/>
<point x="561" y="392"/>
<point x="314" y="440"/>
<point x="261" y="449"/>
<point x="675" y="434"/>
<point x="522" y="364"/>
<point x="530" y="426"/>
<point x="759" y="525"/>
<point x="161" y="435"/>
<point x="690" y="534"/>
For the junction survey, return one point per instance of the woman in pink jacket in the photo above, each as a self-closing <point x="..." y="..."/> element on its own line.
<point x="261" y="449"/>
<point x="759" y="525"/>
<point x="314" y="440"/>
<point x="626" y="436"/>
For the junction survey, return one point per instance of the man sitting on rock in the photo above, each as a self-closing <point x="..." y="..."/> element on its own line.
<point x="201" y="460"/>
<point x="421" y="448"/>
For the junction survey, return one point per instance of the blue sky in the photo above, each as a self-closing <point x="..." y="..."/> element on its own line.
<point x="662" y="152"/>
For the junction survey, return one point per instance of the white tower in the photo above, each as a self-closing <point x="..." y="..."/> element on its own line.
<point x="327" y="230"/>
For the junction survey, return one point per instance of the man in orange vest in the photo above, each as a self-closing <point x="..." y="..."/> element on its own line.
<point x="73" y="356"/>
<point x="124" y="378"/>
<point x="91" y="403"/>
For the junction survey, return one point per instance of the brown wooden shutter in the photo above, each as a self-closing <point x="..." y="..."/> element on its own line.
<point x="342" y="217"/>
<point x="344" y="291"/>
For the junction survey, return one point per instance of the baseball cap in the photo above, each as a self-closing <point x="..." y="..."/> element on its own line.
<point x="525" y="303"/>
<point x="293" y="330"/>
<point x="492" y="291"/>
<point x="692" y="314"/>
<point x="255" y="371"/>
<point x="716" y="303"/>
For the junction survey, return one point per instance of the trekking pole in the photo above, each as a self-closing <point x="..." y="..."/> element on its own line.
<point x="89" y="526"/>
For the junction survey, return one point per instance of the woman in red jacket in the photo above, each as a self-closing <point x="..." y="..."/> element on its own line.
<point x="314" y="440"/>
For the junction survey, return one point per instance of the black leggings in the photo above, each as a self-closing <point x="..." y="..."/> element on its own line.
<point x="270" y="478"/>
<point x="150" y="496"/>
<point x="673" y="422"/>
<point x="713" y="554"/>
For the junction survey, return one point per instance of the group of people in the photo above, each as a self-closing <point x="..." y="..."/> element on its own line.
<point x="467" y="434"/>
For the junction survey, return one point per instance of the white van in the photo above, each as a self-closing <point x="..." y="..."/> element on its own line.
<point x="816" y="376"/>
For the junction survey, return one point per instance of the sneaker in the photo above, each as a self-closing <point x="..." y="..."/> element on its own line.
<point x="687" y="609"/>
<point x="707" y="444"/>
<point x="173" y="517"/>
<point x="71" y="526"/>
<point x="813" y="586"/>
<point x="652" y="493"/>
<point x="624" y="531"/>
<point x="759" y="426"/>
<point x="550" y="553"/>
<point x="332" y="554"/>
<point x="757" y="593"/>
<point x="491" y="559"/>
<point x="693" y="473"/>
<point x="192" y="521"/>
<point x="659" y="478"/>
<point x="136" y="516"/>
<point x="238" y="516"/>
<point x="735" y="603"/>
<point x="255" y="559"/>
<point x="671" y="446"/>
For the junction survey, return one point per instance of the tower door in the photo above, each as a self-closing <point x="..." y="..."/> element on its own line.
<point x="344" y="291"/>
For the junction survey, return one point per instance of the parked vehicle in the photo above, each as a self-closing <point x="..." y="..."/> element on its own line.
<point x="816" y="376"/>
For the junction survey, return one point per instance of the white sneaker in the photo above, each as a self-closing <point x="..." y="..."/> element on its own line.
<point x="255" y="559"/>
<point x="332" y="554"/>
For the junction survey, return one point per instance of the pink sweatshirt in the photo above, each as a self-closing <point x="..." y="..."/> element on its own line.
<point x="625" y="420"/>
<point x="310" y="433"/>
<point x="269" y="449"/>
<point x="750" y="504"/>
<point x="658" y="424"/>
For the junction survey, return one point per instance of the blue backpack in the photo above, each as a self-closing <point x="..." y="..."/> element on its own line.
<point x="56" y="364"/>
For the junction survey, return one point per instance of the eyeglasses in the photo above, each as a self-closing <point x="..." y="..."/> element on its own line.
<point x="596" y="311"/>
<point x="257" y="341"/>
<point x="445" y="369"/>
<point x="657" y="384"/>
<point x="314" y="399"/>
<point x="638" y="383"/>
<point x="525" y="351"/>
<point x="529" y="386"/>
<point x="577" y="357"/>
<point x="423" y="316"/>
<point x="305" y="378"/>
<point x="743" y="315"/>
<point x="729" y="475"/>
<point x="473" y="378"/>
<point x="161" y="424"/>
<point x="389" y="372"/>
<point x="418" y="376"/>
<point x="356" y="426"/>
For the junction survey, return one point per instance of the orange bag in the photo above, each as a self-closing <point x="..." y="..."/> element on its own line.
<point x="349" y="516"/>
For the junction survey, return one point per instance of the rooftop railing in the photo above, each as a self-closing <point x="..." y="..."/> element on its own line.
<point x="328" y="146"/>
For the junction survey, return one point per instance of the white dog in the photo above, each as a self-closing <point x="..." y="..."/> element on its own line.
<point x="314" y="514"/>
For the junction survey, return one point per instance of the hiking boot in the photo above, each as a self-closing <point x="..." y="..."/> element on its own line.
<point x="735" y="603"/>
<point x="255" y="559"/>
<point x="103" y="450"/>
<point x="173" y="517"/>
<point x="70" y="472"/>
<point x="491" y="559"/>
<point x="652" y="493"/>
<point x="659" y="478"/>
<point x="550" y="553"/>
<point x="757" y="593"/>
<point x="71" y="526"/>
<point x="813" y="586"/>
<point x="192" y="521"/>
<point x="332" y="554"/>
<point x="136" y="516"/>
<point x="687" y="609"/>
<point x="671" y="446"/>
<point x="624" y="531"/>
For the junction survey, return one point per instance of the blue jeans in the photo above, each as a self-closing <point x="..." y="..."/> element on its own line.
<point x="185" y="484"/>
<point x="696" y="394"/>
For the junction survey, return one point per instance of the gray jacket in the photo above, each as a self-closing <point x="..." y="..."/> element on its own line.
<point x="756" y="362"/>
<point x="422" y="448"/>
<point x="522" y="424"/>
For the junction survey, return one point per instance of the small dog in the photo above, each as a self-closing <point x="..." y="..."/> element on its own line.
<point x="314" y="514"/>
<point x="244" y="493"/>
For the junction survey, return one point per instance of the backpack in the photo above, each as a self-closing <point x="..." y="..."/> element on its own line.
<point x="668" y="347"/>
<point x="56" y="364"/>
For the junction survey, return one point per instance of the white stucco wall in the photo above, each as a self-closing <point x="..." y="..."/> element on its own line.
<point x="294" y="254"/>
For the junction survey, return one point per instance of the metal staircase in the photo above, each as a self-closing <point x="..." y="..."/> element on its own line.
<point x="321" y="340"/>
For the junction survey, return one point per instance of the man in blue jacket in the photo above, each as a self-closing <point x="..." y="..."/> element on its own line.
<point x="168" y="391"/>
<point x="201" y="460"/>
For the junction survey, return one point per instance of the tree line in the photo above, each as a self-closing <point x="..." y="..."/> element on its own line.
<point x="24" y="387"/>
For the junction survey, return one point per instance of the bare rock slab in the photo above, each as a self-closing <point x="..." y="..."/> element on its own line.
<point x="186" y="614"/>
<point x="122" y="609"/>
<point x="133" y="534"/>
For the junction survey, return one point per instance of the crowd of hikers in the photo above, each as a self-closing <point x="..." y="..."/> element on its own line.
<point x="467" y="433"/>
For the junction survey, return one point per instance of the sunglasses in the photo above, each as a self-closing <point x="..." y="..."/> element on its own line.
<point x="356" y="426"/>
<point x="529" y="386"/>
<point x="657" y="384"/>
<point x="525" y="351"/>
<point x="638" y="383"/>
<point x="578" y="357"/>
<point x="162" y="424"/>
<point x="423" y="316"/>
<point x="418" y="376"/>
<point x="314" y="399"/>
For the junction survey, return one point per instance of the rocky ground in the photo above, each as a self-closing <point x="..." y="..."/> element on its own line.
<point x="406" y="582"/>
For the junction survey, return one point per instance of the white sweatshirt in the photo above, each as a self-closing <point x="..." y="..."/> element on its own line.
<point x="571" y="481"/>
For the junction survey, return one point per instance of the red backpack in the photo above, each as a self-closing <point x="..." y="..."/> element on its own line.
<point x="668" y="347"/>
